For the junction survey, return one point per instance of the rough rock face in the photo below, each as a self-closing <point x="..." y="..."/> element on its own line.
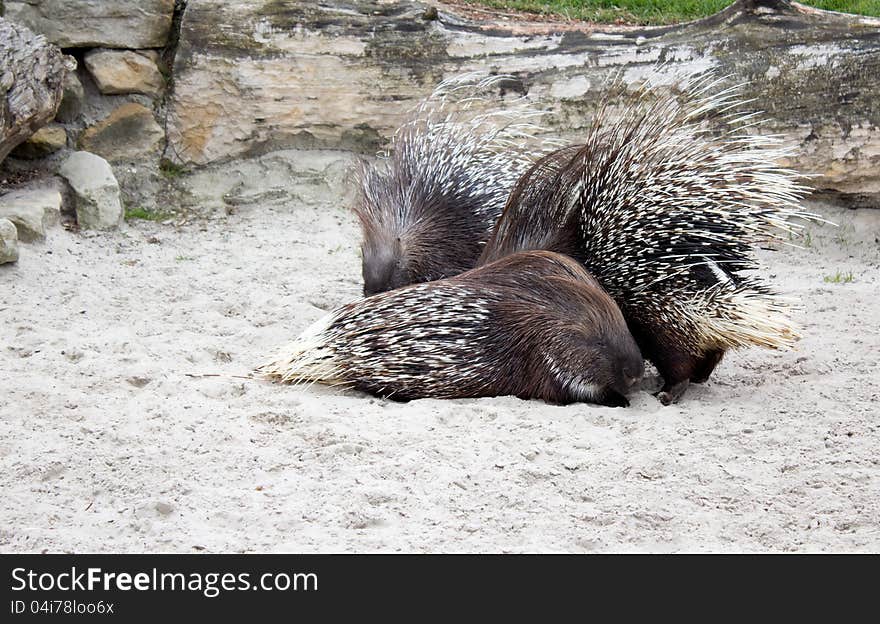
<point x="282" y="178"/>
<point x="96" y="191"/>
<point x="130" y="131"/>
<point x="124" y="71"/>
<point x="96" y="23"/>
<point x="31" y="211"/>
<point x="251" y="76"/>
<point x="72" y="98"/>
<point x="8" y="242"/>
<point x="31" y="75"/>
<point x="47" y="140"/>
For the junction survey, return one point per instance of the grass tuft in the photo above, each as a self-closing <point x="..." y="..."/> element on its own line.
<point x="654" y="12"/>
<point x="139" y="212"/>
<point x="840" y="278"/>
<point x="171" y="169"/>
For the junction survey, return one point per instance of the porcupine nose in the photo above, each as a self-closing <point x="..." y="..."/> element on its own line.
<point x="378" y="275"/>
<point x="632" y="374"/>
<point x="382" y="271"/>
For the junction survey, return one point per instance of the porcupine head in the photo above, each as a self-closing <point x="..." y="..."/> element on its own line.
<point x="428" y="204"/>
<point x="412" y="234"/>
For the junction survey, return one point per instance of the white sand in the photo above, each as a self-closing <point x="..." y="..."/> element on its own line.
<point x="107" y="445"/>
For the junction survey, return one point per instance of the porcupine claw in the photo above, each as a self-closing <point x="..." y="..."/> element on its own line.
<point x="671" y="394"/>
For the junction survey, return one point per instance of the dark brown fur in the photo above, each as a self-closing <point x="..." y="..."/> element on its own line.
<point x="536" y="217"/>
<point x="533" y="325"/>
<point x="413" y="235"/>
<point x="427" y="208"/>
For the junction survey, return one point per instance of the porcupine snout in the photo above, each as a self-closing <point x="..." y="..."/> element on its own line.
<point x="382" y="269"/>
<point x="630" y="365"/>
<point x="632" y="373"/>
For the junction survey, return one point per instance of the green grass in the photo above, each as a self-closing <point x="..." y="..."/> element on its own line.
<point x="801" y="239"/>
<point x="654" y="12"/>
<point x="144" y="214"/>
<point x="840" y="278"/>
<point x="171" y="169"/>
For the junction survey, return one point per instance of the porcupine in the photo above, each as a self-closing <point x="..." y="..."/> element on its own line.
<point x="666" y="216"/>
<point x="532" y="324"/>
<point x="428" y="206"/>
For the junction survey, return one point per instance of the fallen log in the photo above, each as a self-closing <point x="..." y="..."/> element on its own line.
<point x="31" y="75"/>
<point x="256" y="76"/>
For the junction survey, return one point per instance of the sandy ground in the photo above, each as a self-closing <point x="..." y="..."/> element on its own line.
<point x="107" y="445"/>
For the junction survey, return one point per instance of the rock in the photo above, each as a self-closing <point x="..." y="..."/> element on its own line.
<point x="96" y="191"/>
<point x="31" y="75"/>
<point x="32" y="211"/>
<point x="337" y="74"/>
<point x="300" y="177"/>
<point x="8" y="241"/>
<point x="124" y="71"/>
<point x="58" y="185"/>
<point x="129" y="132"/>
<point x="72" y="98"/>
<point x="129" y="136"/>
<point x="96" y="23"/>
<point x="47" y="140"/>
<point x="292" y="83"/>
<point x="153" y="55"/>
<point x="164" y="508"/>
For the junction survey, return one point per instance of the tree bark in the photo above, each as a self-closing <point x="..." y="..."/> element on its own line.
<point x="31" y="75"/>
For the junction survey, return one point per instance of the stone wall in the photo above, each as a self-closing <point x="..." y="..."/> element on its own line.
<point x="135" y="24"/>
<point x="114" y="98"/>
<point x="254" y="76"/>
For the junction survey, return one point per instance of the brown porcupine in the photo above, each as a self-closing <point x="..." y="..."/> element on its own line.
<point x="666" y="215"/>
<point x="428" y="206"/>
<point x="533" y="324"/>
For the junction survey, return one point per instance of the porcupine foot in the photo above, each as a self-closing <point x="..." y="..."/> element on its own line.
<point x="677" y="367"/>
<point x="671" y="393"/>
<point x="680" y="369"/>
<point x="700" y="370"/>
<point x="704" y="367"/>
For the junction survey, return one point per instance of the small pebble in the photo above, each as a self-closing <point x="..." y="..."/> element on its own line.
<point x="164" y="508"/>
